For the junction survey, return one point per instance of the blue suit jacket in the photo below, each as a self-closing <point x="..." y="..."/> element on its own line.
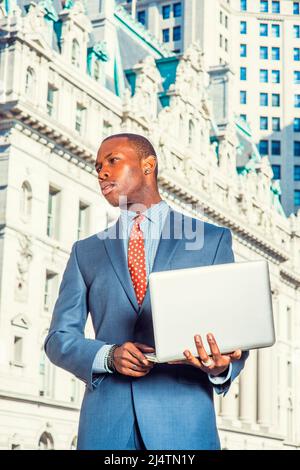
<point x="173" y="403"/>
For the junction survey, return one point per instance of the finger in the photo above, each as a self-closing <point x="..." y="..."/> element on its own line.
<point x="144" y="347"/>
<point x="201" y="350"/>
<point x="135" y="352"/>
<point x="216" y="355"/>
<point x="135" y="367"/>
<point x="134" y="373"/>
<point x="192" y="360"/>
<point x="129" y="359"/>
<point x="236" y="355"/>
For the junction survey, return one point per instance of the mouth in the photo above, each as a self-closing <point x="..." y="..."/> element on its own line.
<point x="107" y="188"/>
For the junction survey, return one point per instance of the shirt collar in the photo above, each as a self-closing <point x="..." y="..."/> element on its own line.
<point x="152" y="213"/>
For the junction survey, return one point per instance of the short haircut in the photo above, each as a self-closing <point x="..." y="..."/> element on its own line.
<point x="142" y="145"/>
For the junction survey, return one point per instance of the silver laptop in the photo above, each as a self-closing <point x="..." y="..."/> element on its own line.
<point x="232" y="301"/>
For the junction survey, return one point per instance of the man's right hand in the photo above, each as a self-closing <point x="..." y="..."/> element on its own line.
<point x="129" y="359"/>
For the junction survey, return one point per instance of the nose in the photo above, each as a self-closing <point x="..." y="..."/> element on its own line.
<point x="103" y="174"/>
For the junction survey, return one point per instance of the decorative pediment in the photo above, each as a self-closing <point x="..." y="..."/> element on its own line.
<point x="21" y="321"/>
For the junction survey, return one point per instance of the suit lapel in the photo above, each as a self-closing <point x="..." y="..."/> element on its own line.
<point x="114" y="246"/>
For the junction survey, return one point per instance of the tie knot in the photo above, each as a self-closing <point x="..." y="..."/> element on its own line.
<point x="138" y="219"/>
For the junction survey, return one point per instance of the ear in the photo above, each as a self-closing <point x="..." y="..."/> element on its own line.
<point x="149" y="164"/>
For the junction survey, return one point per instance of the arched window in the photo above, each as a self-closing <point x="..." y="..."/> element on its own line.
<point x="181" y="126"/>
<point x="74" y="443"/>
<point x="97" y="70"/>
<point x="46" y="441"/>
<point x="75" y="53"/>
<point x="191" y="132"/>
<point x="26" y="200"/>
<point x="30" y="82"/>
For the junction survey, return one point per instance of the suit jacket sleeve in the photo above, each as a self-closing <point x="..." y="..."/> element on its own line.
<point x="65" y="344"/>
<point x="224" y="254"/>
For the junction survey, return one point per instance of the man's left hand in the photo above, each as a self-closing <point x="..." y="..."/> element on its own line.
<point x="214" y="365"/>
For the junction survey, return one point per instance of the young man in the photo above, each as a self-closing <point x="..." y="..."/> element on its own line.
<point x="129" y="403"/>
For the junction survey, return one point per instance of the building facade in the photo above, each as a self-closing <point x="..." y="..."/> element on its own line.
<point x="259" y="39"/>
<point x="70" y="76"/>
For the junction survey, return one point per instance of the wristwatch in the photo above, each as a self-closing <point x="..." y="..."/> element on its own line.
<point x="110" y="358"/>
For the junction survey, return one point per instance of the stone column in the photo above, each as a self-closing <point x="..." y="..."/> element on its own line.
<point x="248" y="389"/>
<point x="264" y="387"/>
<point x="230" y="403"/>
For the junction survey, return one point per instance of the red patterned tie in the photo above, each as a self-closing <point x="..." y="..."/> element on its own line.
<point x="137" y="259"/>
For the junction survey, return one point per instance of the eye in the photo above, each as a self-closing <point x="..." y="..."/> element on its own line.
<point x="113" y="159"/>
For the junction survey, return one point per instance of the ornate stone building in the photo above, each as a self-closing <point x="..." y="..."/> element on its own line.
<point x="70" y="76"/>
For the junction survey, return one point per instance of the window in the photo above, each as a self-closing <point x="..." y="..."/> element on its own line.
<point x="51" y="99"/>
<point x="243" y="117"/>
<point x="166" y="11"/>
<point x="141" y="17"/>
<point x="263" y="99"/>
<point x="264" y="147"/>
<point x="296" y="31"/>
<point x="296" y="148"/>
<point x="275" y="30"/>
<point x="297" y="197"/>
<point x="243" y="5"/>
<point x="275" y="147"/>
<point x="263" y="29"/>
<point x="296" y="8"/>
<point x="226" y="44"/>
<point x="263" y="52"/>
<point x="264" y="6"/>
<point x="297" y="101"/>
<point x="221" y="17"/>
<point x="264" y="123"/>
<point x="297" y="173"/>
<point x="96" y="70"/>
<point x="18" y="349"/>
<point x="263" y="76"/>
<point x="191" y="132"/>
<point x="296" y="124"/>
<point x="275" y="100"/>
<point x="106" y="129"/>
<point x="46" y="442"/>
<point x="50" y="290"/>
<point x="275" y="7"/>
<point x="177" y="33"/>
<point x="297" y="53"/>
<point x="276" y="172"/>
<point x="275" y="76"/>
<point x="243" y="97"/>
<point x="276" y="124"/>
<point x="26" y="199"/>
<point x="75" y="53"/>
<point x="243" y="50"/>
<point x="243" y="73"/>
<point x="221" y="40"/>
<point x="166" y="35"/>
<point x="53" y="208"/>
<point x="30" y="82"/>
<point x="83" y="214"/>
<point x="79" y="118"/>
<point x="243" y="27"/>
<point x="296" y="77"/>
<point x="275" y="53"/>
<point x="176" y="10"/>
<point x="226" y="21"/>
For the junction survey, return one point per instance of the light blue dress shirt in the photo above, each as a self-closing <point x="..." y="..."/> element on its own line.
<point x="151" y="227"/>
